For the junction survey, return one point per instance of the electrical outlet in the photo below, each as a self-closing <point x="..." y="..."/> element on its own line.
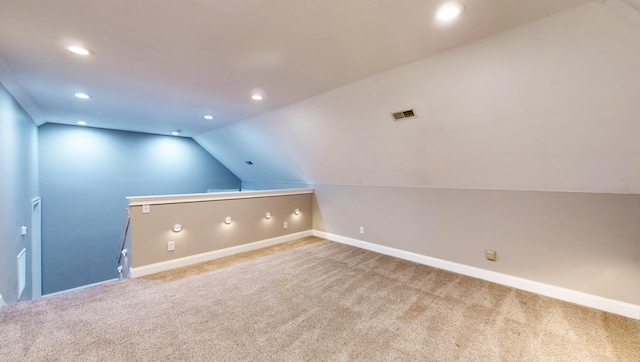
<point x="171" y="246"/>
<point x="146" y="209"/>
<point x="490" y="255"/>
<point x="361" y="229"/>
<point x="285" y="225"/>
<point x="24" y="230"/>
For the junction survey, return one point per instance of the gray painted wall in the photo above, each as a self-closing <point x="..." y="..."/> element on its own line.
<point x="18" y="186"/>
<point x="551" y="106"/>
<point x="580" y="241"/>
<point x="267" y="185"/>
<point x="85" y="175"/>
<point x="204" y="229"/>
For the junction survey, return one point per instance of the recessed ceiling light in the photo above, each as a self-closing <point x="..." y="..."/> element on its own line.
<point x="78" y="50"/>
<point x="83" y="96"/>
<point x="208" y="117"/>
<point x="82" y="123"/>
<point x="450" y="11"/>
<point x="256" y="97"/>
<point x="176" y="132"/>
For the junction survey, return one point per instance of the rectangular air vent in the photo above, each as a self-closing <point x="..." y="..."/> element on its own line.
<point x="403" y="114"/>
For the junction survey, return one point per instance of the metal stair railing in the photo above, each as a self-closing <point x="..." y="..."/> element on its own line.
<point x="122" y="252"/>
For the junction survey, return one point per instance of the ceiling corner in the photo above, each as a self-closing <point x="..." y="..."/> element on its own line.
<point x="23" y="99"/>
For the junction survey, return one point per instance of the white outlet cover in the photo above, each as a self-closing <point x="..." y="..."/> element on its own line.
<point x="171" y="246"/>
<point x="286" y="225"/>
<point x="146" y="209"/>
<point x="361" y="229"/>
<point x="24" y="230"/>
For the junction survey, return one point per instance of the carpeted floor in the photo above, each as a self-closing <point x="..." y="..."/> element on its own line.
<point x="310" y="300"/>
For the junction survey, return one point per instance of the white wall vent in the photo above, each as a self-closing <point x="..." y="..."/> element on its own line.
<point x="403" y="114"/>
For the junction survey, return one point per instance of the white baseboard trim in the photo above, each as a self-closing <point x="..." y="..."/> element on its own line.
<point x="568" y="295"/>
<point x="216" y="254"/>
<point x="78" y="288"/>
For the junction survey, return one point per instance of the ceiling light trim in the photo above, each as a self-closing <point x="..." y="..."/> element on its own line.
<point x="450" y="11"/>
<point x="79" y="50"/>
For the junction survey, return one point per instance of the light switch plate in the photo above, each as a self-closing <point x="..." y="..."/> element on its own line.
<point x="171" y="246"/>
<point x="146" y="209"/>
<point x="24" y="230"/>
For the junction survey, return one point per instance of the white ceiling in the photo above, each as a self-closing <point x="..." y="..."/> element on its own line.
<point x="548" y="106"/>
<point x="162" y="65"/>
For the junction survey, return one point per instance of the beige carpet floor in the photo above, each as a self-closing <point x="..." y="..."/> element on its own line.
<point x="310" y="300"/>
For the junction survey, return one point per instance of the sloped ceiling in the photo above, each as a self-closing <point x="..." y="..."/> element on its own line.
<point x="163" y="65"/>
<point x="552" y="105"/>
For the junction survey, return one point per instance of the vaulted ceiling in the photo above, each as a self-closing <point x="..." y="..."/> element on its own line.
<point x="512" y="95"/>
<point x="548" y="106"/>
<point x="159" y="66"/>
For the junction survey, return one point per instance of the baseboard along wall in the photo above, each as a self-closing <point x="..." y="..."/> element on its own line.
<point x="568" y="295"/>
<point x="215" y="254"/>
<point x="78" y="288"/>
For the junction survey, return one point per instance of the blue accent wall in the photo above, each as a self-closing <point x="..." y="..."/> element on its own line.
<point x="18" y="186"/>
<point x="85" y="175"/>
